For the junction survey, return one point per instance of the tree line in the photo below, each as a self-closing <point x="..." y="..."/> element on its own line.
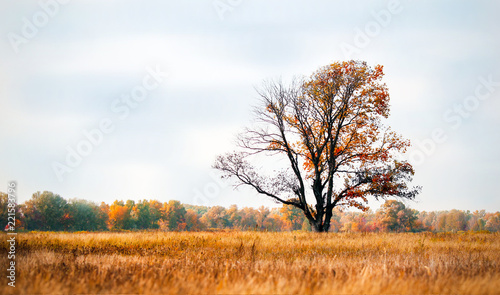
<point x="46" y="211"/>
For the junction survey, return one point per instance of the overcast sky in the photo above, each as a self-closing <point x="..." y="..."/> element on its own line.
<point x="106" y="100"/>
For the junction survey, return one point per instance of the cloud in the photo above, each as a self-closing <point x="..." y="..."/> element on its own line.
<point x="64" y="80"/>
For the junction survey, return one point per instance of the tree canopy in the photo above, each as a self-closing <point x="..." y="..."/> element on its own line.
<point x="328" y="128"/>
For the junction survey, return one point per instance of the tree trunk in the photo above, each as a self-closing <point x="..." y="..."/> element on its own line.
<point x="319" y="226"/>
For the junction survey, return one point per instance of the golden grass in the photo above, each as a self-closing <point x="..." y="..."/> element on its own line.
<point x="255" y="263"/>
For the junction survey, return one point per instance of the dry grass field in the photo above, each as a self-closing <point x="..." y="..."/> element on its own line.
<point x="255" y="263"/>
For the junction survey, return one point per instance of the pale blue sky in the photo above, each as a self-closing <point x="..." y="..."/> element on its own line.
<point x="66" y="70"/>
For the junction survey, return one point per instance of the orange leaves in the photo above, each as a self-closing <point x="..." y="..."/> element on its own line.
<point x="308" y="165"/>
<point x="275" y="145"/>
<point x="270" y="108"/>
<point x="119" y="216"/>
<point x="379" y="72"/>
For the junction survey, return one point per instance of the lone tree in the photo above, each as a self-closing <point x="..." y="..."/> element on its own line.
<point x="328" y="129"/>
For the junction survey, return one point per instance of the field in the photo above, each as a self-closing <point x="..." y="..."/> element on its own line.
<point x="255" y="263"/>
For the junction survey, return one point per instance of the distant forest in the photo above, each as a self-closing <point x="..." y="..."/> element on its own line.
<point x="50" y="212"/>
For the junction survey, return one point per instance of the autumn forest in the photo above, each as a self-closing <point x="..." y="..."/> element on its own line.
<point x="46" y="211"/>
